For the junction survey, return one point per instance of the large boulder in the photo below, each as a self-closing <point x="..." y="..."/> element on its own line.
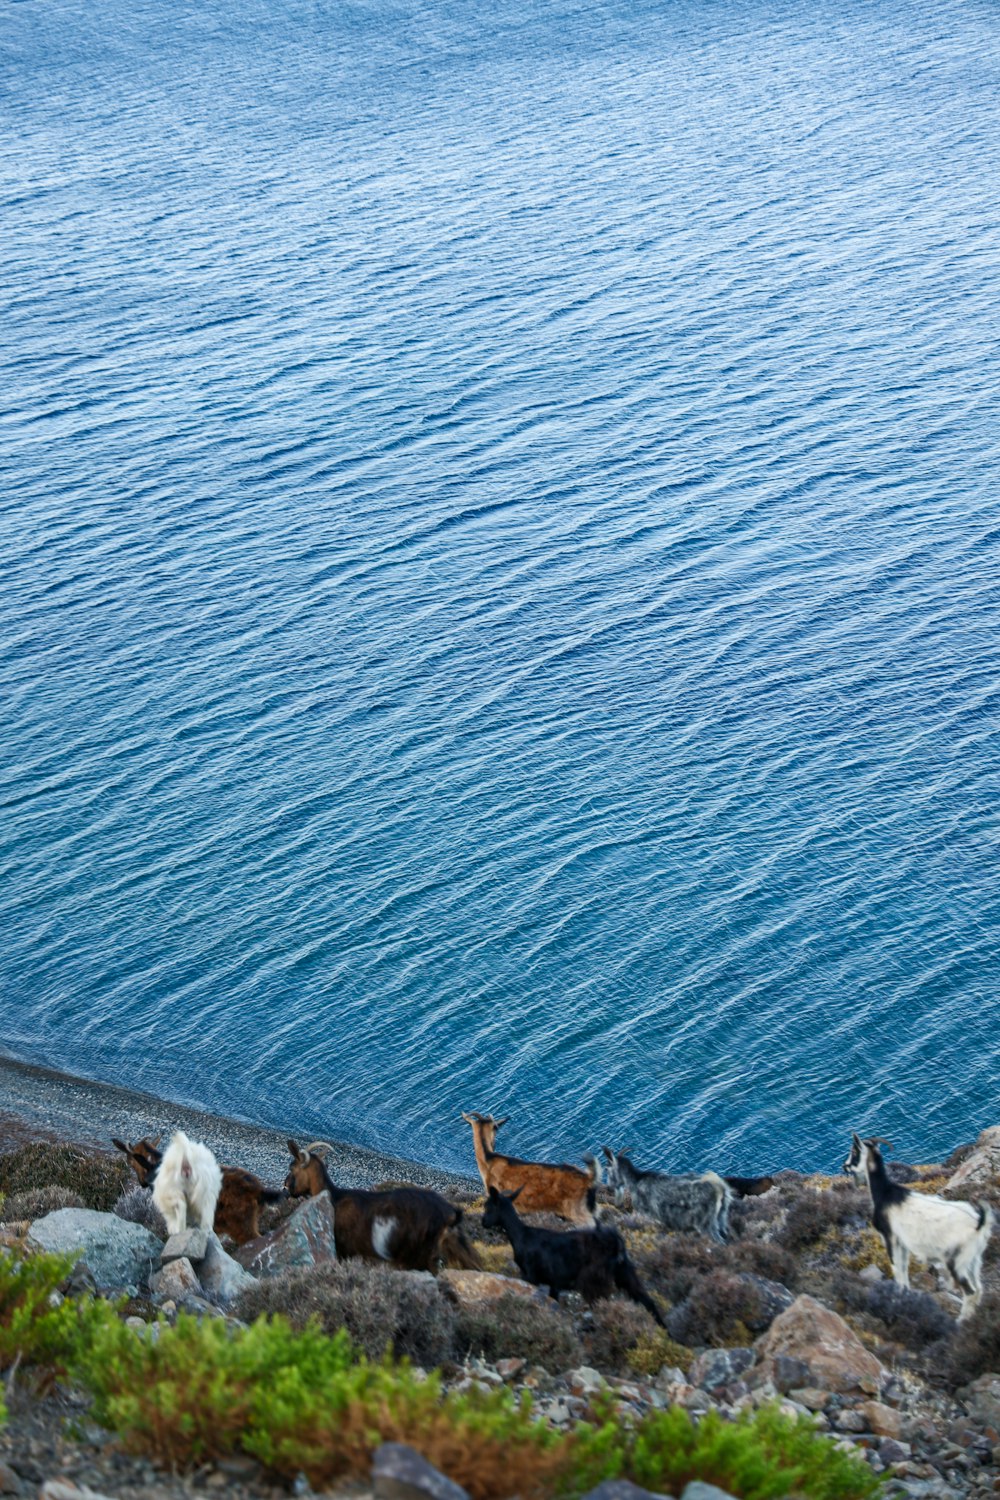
<point x="117" y="1254"/>
<point x="980" y="1170"/>
<point x="473" y="1288"/>
<point x="836" y="1358"/>
<point x="305" y="1238"/>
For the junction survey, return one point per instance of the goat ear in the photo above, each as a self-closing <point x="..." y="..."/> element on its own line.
<point x="493" y="1195"/>
<point x="120" y="1145"/>
<point x="497" y="1123"/>
<point x="156" y="1141"/>
<point x="608" y="1153"/>
<point x="469" y="1119"/>
<point x="856" y="1139"/>
<point x="294" y="1148"/>
<point x="513" y="1197"/>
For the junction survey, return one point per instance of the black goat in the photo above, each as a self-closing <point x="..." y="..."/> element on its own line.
<point x="593" y="1262"/>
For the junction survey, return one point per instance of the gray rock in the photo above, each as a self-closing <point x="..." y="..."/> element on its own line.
<point x="189" y="1244"/>
<point x="400" y="1473"/>
<point x="304" y="1239"/>
<point x="220" y="1275"/>
<point x="116" y="1252"/>
<point x="176" y="1279"/>
<point x="698" y="1490"/>
<point x="623" y="1489"/>
<point x="872" y="1274"/>
<point x="789" y="1373"/>
<point x="10" y="1484"/>
<point x="63" y="1489"/>
<point x="718" y="1367"/>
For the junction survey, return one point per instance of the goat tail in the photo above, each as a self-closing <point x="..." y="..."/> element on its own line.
<point x="985" y="1226"/>
<point x="593" y="1170"/>
<point x="749" y="1187"/>
<point x="272" y="1195"/>
<point x="723" y="1199"/>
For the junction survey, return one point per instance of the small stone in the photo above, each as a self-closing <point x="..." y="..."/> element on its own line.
<point x="872" y="1274"/>
<point x="811" y="1397"/>
<point x="9" y="1482"/>
<point x="585" y="1381"/>
<point x="718" y="1367"/>
<point x="239" y="1466"/>
<point x="622" y="1489"/>
<point x="65" y="1489"/>
<point x="884" y="1421"/>
<point x="850" y="1421"/>
<point x="189" y="1244"/>
<point x="789" y="1372"/>
<point x="698" y="1490"/>
<point x="400" y="1473"/>
<point x="891" y="1452"/>
<point x="220" y="1274"/>
<point x="507" y="1369"/>
<point x="176" y="1279"/>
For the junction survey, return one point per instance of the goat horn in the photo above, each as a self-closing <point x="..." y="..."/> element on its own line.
<point x="880" y="1140"/>
<point x="317" y="1146"/>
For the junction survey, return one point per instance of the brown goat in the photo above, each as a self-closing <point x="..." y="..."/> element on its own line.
<point x="412" y="1227"/>
<point x="237" y="1213"/>
<point x="544" y="1188"/>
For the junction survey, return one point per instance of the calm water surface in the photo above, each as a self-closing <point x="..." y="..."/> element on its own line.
<point x="500" y="566"/>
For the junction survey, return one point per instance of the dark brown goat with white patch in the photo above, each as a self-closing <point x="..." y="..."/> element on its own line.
<point x="414" y="1228"/>
<point x="243" y="1195"/>
<point x="544" y="1187"/>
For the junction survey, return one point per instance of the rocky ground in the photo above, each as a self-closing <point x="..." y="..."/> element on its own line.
<point x="798" y="1308"/>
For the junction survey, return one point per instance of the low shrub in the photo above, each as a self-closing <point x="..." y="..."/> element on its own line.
<point x="726" y="1309"/>
<point x="678" y="1261"/>
<point x="515" y="1327"/>
<point x="136" y="1206"/>
<point x="380" y="1308"/>
<point x="38" y="1328"/>
<point x="624" y="1337"/>
<point x="911" y="1318"/>
<point x="303" y="1403"/>
<point x="36" y="1203"/>
<point x="763" y="1258"/>
<point x="95" y="1176"/>
<point x="757" y="1457"/>
<point x="974" y="1348"/>
<point x="813" y="1214"/>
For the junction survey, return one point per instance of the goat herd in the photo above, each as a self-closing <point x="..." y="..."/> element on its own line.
<point x="418" y="1229"/>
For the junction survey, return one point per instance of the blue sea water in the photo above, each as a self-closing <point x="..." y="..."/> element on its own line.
<point x="499" y="590"/>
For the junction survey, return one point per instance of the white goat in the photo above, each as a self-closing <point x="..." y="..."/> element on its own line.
<point x="952" y="1236"/>
<point x="187" y="1183"/>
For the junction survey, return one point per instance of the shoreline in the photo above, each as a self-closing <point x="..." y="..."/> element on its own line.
<point x="42" y="1103"/>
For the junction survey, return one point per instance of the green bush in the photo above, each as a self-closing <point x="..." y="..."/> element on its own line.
<point x="758" y="1457"/>
<point x="304" y="1402"/>
<point x="36" y="1327"/>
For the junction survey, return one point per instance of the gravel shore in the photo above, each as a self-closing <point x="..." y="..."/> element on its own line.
<point x="41" y="1103"/>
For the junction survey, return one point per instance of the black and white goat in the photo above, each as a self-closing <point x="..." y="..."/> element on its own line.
<point x="593" y="1262"/>
<point x="952" y="1236"/>
<point x="697" y="1204"/>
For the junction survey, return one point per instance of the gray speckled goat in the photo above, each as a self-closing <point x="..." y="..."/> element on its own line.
<point x="698" y="1204"/>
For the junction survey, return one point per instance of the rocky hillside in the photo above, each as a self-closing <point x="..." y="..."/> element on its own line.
<point x="796" y="1310"/>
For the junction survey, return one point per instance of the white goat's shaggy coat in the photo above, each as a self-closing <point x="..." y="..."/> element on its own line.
<point x="187" y="1184"/>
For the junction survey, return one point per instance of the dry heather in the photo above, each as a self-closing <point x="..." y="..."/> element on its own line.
<point x="380" y="1308"/>
<point x="96" y="1177"/>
